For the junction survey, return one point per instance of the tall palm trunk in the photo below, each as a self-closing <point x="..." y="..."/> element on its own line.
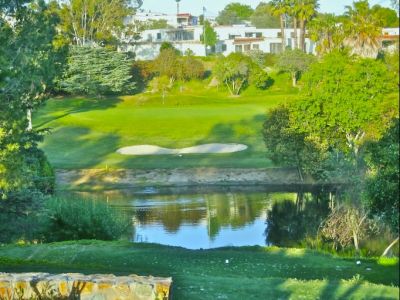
<point x="295" y="33"/>
<point x="302" y="34"/>
<point x="283" y="32"/>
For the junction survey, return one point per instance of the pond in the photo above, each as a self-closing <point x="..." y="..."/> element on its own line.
<point x="211" y="219"/>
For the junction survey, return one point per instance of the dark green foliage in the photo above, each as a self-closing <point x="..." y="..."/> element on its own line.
<point x="263" y="17"/>
<point x="234" y="13"/>
<point x="211" y="37"/>
<point x="77" y="219"/>
<point x="344" y="104"/>
<point x="291" y="224"/>
<point x="382" y="192"/>
<point x="97" y="71"/>
<point x="142" y="72"/>
<point x="168" y="45"/>
<point x="29" y="63"/>
<point x="388" y="17"/>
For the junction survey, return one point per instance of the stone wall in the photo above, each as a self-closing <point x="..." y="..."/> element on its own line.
<point x="45" y="286"/>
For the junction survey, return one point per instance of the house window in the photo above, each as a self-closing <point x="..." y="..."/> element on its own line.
<point x="275" y="47"/>
<point x="238" y="48"/>
<point x="247" y="48"/>
<point x="224" y="48"/>
<point x="158" y="35"/>
<point x="258" y="34"/>
<point x="256" y="47"/>
<point x="248" y="34"/>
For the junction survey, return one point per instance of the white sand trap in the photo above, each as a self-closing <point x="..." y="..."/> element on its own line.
<point x="206" y="148"/>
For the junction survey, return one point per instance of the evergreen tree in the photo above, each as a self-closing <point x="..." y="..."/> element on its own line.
<point x="97" y="71"/>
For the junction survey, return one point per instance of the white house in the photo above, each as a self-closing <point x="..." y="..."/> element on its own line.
<point x="236" y="38"/>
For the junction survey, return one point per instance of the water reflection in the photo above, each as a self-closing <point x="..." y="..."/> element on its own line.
<point x="291" y="222"/>
<point x="209" y="220"/>
<point x="201" y="221"/>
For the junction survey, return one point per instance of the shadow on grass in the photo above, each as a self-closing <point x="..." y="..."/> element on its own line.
<point x="68" y="106"/>
<point x="263" y="273"/>
<point x="79" y="148"/>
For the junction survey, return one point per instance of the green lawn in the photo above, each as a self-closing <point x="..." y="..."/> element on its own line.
<point x="252" y="272"/>
<point x="86" y="132"/>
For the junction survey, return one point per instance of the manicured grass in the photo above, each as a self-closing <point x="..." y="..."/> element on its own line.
<point x="86" y="132"/>
<point x="252" y="272"/>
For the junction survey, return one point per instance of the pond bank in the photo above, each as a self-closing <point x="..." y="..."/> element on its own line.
<point x="103" y="179"/>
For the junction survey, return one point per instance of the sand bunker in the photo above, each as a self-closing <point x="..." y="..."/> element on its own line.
<point x="206" y="148"/>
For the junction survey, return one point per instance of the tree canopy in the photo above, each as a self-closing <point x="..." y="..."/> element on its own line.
<point x="346" y="101"/>
<point x="93" y="21"/>
<point x="294" y="62"/>
<point x="263" y="17"/>
<point x="29" y="64"/>
<point x="97" y="71"/>
<point x="234" y="13"/>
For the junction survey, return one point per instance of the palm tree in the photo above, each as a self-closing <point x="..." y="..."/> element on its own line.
<point x="327" y="32"/>
<point x="306" y="10"/>
<point x="280" y="8"/>
<point x="362" y="30"/>
<point x="293" y="12"/>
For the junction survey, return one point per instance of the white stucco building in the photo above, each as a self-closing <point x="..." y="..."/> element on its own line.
<point x="185" y="35"/>
<point x="236" y="38"/>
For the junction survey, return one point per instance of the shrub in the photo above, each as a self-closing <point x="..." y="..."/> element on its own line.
<point x="76" y="219"/>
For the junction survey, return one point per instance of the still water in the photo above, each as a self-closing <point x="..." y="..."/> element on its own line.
<point x="216" y="219"/>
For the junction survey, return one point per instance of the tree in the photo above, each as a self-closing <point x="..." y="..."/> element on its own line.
<point x="345" y="102"/>
<point x="295" y="62"/>
<point x="306" y="10"/>
<point x="167" y="64"/>
<point x="327" y="32"/>
<point x="234" y="13"/>
<point x="209" y="38"/>
<point x="263" y="17"/>
<point x="88" y="22"/>
<point x="382" y="185"/>
<point x="387" y="17"/>
<point x="279" y="9"/>
<point x="29" y="63"/>
<point x="362" y="30"/>
<point x="97" y="71"/>
<point x="237" y="71"/>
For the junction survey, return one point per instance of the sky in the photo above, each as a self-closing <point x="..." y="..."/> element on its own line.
<point x="214" y="6"/>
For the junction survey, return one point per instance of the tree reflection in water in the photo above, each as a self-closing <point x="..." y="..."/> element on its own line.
<point x="217" y="210"/>
<point x="289" y="222"/>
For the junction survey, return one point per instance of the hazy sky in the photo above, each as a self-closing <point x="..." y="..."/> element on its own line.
<point x="214" y="6"/>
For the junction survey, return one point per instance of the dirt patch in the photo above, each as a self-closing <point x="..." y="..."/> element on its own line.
<point x="98" y="179"/>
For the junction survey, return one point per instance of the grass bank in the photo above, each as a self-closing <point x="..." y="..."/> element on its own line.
<point x="252" y="272"/>
<point x="86" y="132"/>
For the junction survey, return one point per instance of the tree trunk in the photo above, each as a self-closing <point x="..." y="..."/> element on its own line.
<point x="29" y="117"/>
<point x="302" y="34"/>
<point x="385" y="253"/>
<point x="294" y="79"/>
<point x="355" y="239"/>
<point x="283" y="32"/>
<point x="295" y="33"/>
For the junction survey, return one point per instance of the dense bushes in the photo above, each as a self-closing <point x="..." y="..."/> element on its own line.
<point x="97" y="71"/>
<point x="76" y="219"/>
<point x="169" y="63"/>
